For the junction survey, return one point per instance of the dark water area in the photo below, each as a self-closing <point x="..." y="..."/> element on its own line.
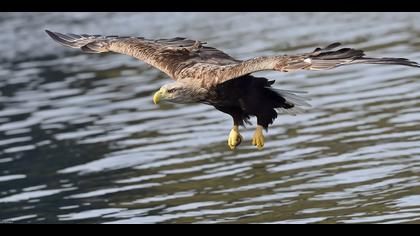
<point x="82" y="142"/>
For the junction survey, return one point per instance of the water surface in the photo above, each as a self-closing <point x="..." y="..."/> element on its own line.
<point x="82" y="142"/>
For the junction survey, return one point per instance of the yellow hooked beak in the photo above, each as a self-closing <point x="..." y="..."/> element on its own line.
<point x="159" y="95"/>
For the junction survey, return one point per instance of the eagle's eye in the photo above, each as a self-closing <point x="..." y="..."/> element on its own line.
<point x="171" y="90"/>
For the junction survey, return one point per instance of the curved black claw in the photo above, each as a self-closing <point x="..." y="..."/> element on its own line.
<point x="238" y="140"/>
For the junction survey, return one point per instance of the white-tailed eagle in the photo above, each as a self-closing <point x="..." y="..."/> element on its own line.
<point x="207" y="75"/>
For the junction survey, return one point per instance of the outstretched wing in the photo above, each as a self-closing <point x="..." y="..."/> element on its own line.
<point x="319" y="59"/>
<point x="167" y="55"/>
<point x="325" y="59"/>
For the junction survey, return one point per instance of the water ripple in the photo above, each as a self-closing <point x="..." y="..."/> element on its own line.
<point x="81" y="140"/>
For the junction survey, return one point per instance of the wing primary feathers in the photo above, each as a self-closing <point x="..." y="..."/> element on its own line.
<point x="387" y="61"/>
<point x="62" y="39"/>
<point x="333" y="45"/>
<point x="327" y="48"/>
<point x="87" y="43"/>
<point x="323" y="59"/>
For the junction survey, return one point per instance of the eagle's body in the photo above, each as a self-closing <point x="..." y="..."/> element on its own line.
<point x="207" y="75"/>
<point x="248" y="96"/>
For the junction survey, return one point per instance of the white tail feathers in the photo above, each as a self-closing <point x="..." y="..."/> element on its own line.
<point x="292" y="111"/>
<point x="297" y="100"/>
<point x="290" y="96"/>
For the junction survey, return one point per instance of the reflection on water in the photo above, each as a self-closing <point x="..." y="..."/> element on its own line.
<point x="81" y="140"/>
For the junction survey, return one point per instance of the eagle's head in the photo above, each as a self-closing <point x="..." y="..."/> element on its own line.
<point x="179" y="92"/>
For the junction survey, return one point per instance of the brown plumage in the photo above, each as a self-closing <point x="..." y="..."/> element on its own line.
<point x="207" y="75"/>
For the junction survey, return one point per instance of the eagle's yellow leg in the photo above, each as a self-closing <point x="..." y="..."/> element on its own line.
<point x="234" y="137"/>
<point x="258" y="138"/>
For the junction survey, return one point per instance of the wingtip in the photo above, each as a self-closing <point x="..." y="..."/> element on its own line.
<point x="60" y="38"/>
<point x="48" y="32"/>
<point x="51" y="34"/>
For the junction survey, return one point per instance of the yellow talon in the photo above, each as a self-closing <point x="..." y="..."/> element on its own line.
<point x="234" y="138"/>
<point x="258" y="139"/>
